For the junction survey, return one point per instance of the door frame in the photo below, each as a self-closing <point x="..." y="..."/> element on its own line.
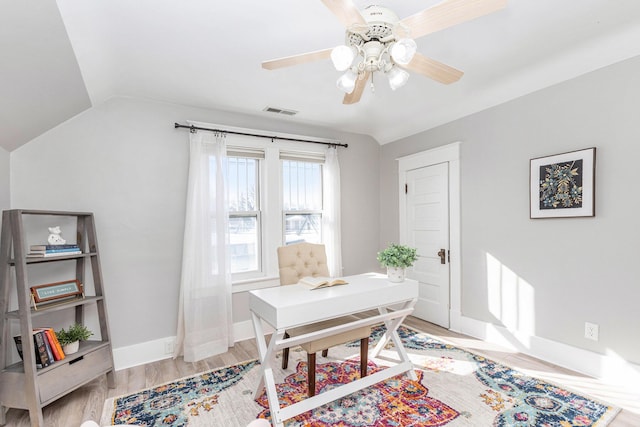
<point x="450" y="154"/>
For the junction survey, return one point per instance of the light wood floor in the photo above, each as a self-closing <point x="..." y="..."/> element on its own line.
<point x="86" y="402"/>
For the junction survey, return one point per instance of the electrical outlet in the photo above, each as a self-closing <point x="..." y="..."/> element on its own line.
<point x="591" y="331"/>
<point x="168" y="347"/>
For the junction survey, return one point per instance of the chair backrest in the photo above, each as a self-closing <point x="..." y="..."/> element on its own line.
<point x="300" y="260"/>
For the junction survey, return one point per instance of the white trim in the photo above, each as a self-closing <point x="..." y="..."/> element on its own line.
<point x="244" y="330"/>
<point x="447" y="153"/>
<point x="252" y="284"/>
<point x="139" y="354"/>
<point x="152" y="351"/>
<point x="609" y="368"/>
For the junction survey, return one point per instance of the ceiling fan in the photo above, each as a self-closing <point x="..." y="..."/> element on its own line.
<point x="377" y="40"/>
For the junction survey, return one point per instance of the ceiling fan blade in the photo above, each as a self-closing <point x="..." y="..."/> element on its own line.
<point x="361" y="83"/>
<point x="449" y="13"/>
<point x="433" y="69"/>
<point x="297" y="59"/>
<point x="345" y="11"/>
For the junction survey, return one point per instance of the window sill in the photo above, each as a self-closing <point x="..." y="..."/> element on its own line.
<point x="247" y="285"/>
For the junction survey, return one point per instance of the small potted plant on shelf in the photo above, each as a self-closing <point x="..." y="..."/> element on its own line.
<point x="70" y="338"/>
<point x="397" y="258"/>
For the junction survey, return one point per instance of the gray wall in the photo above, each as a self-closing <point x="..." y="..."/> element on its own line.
<point x="577" y="270"/>
<point x="5" y="158"/>
<point x="124" y="161"/>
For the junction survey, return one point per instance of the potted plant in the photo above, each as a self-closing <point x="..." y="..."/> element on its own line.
<point x="397" y="258"/>
<point x="70" y="338"/>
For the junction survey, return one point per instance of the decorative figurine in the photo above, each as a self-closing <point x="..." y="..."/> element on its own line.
<point x="54" y="237"/>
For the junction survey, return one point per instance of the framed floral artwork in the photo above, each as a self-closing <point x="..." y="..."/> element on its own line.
<point x="563" y="185"/>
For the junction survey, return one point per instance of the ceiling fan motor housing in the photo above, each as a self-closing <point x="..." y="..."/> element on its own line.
<point x="373" y="39"/>
<point x="381" y="23"/>
<point x="375" y="13"/>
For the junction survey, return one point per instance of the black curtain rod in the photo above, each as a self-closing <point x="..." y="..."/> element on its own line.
<point x="194" y="128"/>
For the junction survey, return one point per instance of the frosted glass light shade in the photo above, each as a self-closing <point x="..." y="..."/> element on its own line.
<point x="403" y="50"/>
<point x="347" y="82"/>
<point x="342" y="57"/>
<point x="397" y="77"/>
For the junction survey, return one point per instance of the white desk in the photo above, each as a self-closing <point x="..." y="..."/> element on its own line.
<point x="285" y="307"/>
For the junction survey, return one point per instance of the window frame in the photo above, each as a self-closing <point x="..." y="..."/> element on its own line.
<point x="307" y="157"/>
<point x="270" y="193"/>
<point x="254" y="273"/>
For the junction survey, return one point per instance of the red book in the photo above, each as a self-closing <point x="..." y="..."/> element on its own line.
<point x="50" y="337"/>
<point x="57" y="344"/>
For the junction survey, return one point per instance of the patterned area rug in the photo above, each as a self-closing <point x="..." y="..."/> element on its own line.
<point x="454" y="388"/>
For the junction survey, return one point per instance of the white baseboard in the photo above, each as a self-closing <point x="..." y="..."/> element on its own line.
<point x="244" y="330"/>
<point x="455" y="320"/>
<point x="610" y="368"/>
<point x="146" y="352"/>
<point x="151" y="351"/>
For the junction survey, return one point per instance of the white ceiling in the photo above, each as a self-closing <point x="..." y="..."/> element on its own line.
<point x="207" y="53"/>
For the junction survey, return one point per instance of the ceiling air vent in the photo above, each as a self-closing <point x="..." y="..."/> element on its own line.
<point x="280" y="111"/>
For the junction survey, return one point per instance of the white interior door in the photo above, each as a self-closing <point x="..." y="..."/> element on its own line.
<point x="427" y="221"/>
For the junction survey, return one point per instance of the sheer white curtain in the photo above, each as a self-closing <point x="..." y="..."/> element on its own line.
<point x="204" y="313"/>
<point x="331" y="212"/>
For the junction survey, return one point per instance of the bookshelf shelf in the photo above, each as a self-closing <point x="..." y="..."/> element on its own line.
<point x="55" y="259"/>
<point x="62" y="305"/>
<point x="22" y="385"/>
<point x="86" y="347"/>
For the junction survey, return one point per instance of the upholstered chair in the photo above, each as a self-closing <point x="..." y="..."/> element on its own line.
<point x="308" y="259"/>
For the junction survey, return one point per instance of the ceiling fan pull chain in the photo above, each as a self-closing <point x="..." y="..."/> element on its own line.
<point x="373" y="88"/>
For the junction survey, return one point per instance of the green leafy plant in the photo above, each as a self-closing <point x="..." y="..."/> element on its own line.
<point x="76" y="332"/>
<point x="397" y="256"/>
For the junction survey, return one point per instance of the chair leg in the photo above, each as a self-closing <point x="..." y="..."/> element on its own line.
<point x="311" y="373"/>
<point x="285" y="354"/>
<point x="364" y="355"/>
<point x="325" y="352"/>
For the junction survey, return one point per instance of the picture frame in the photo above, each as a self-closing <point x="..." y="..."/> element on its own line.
<point x="563" y="185"/>
<point x="51" y="292"/>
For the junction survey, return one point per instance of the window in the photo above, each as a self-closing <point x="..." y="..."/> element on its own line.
<point x="243" y="170"/>
<point x="302" y="201"/>
<point x="275" y="197"/>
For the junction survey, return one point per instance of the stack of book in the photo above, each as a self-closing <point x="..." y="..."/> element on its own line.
<point x="53" y="250"/>
<point x="47" y="347"/>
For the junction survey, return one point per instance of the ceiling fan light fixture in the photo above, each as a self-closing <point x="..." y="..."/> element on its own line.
<point x="342" y="57"/>
<point x="397" y="77"/>
<point x="403" y="50"/>
<point x="347" y="82"/>
<point x="377" y="40"/>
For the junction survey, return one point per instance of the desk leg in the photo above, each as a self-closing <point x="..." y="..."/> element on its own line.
<point x="262" y="351"/>
<point x="392" y="334"/>
<point x="266" y="378"/>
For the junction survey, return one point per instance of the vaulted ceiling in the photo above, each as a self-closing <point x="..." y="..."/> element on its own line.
<point x="59" y="58"/>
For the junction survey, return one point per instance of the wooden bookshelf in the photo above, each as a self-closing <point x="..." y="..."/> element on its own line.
<point x="22" y="385"/>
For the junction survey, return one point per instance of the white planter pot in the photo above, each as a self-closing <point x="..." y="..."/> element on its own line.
<point x="395" y="274"/>
<point x="71" y="348"/>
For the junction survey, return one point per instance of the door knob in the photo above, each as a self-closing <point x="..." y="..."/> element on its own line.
<point x="442" y="254"/>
